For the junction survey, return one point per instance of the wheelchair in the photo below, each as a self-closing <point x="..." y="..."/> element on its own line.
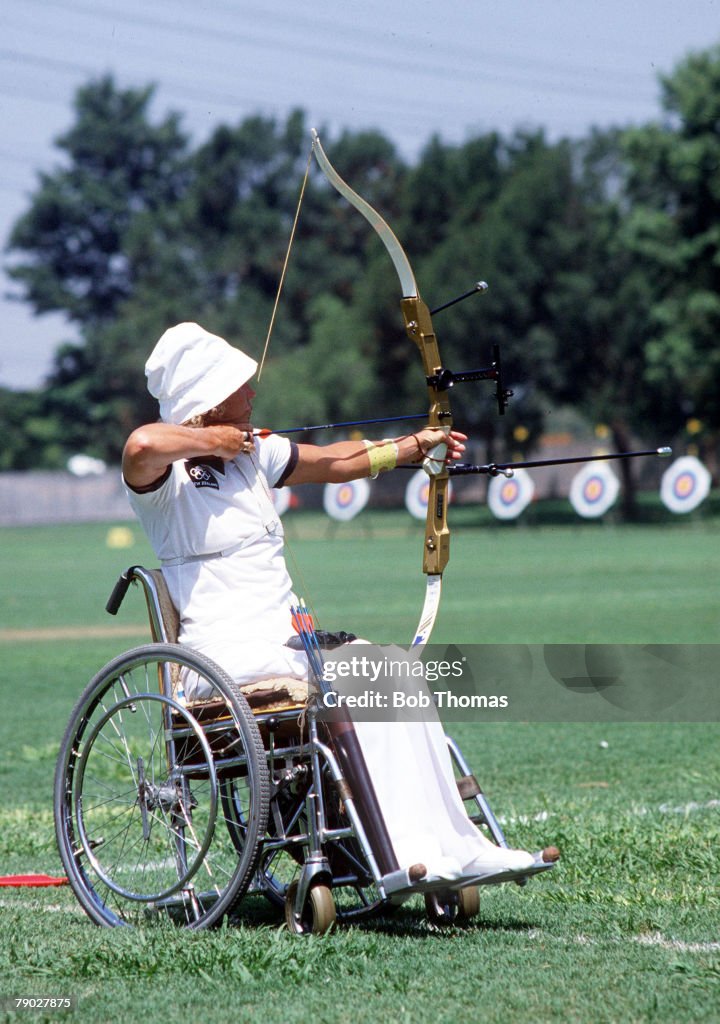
<point x="172" y="810"/>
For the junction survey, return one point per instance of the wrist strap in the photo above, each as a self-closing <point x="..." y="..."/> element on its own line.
<point x="382" y="455"/>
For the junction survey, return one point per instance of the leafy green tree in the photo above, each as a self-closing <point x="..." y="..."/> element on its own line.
<point x="672" y="229"/>
<point x="29" y="437"/>
<point x="602" y="258"/>
<point x="136" y="233"/>
<point x="70" y="252"/>
<point x="520" y="226"/>
<point x="71" y="242"/>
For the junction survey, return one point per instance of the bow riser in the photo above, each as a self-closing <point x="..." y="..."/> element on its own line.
<point x="419" y="327"/>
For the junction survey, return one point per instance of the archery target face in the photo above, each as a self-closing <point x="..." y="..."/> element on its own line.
<point x="344" y="501"/>
<point x="594" y="490"/>
<point x="508" y="497"/>
<point x="684" y="485"/>
<point x="416" y="494"/>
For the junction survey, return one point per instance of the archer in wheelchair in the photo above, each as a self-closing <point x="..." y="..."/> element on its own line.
<point x="196" y="769"/>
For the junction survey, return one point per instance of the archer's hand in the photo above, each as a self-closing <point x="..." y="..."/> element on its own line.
<point x="231" y="440"/>
<point x="429" y="438"/>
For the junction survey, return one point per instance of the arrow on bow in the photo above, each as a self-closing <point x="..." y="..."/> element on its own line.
<point x="266" y="431"/>
<point x="442" y="380"/>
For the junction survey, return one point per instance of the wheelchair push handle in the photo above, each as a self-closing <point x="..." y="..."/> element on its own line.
<point x="119" y="591"/>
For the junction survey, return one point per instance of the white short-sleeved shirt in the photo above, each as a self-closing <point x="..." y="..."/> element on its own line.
<point x="202" y="507"/>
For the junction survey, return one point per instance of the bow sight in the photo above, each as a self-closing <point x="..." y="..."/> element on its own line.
<point x="443" y="379"/>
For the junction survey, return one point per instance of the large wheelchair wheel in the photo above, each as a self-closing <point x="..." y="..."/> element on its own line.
<point x="160" y="807"/>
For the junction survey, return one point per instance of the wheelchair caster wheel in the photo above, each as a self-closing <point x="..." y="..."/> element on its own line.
<point x="318" y="914"/>
<point x="468" y="902"/>
<point x="448" y="906"/>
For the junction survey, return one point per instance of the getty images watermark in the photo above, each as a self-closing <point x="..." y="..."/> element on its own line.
<point x="523" y="682"/>
<point x="386" y="682"/>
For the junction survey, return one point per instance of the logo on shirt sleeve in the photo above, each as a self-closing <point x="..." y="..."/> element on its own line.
<point x="201" y="474"/>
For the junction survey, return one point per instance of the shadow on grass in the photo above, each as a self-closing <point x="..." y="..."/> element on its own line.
<point x="407" y="921"/>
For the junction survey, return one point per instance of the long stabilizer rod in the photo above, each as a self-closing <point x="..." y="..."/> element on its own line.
<point x="508" y="468"/>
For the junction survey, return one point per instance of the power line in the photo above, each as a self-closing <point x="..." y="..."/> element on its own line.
<point x="374" y="110"/>
<point x="428" y="67"/>
<point x="378" y="107"/>
<point x="403" y="42"/>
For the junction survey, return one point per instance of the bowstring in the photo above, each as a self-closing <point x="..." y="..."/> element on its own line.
<point x="285" y="264"/>
<point x="296" y="572"/>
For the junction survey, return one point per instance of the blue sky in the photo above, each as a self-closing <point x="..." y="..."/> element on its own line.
<point x="410" y="69"/>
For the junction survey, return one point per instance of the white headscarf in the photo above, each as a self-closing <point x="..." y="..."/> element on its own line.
<point x="191" y="371"/>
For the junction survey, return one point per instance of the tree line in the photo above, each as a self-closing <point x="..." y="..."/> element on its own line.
<point x="602" y="255"/>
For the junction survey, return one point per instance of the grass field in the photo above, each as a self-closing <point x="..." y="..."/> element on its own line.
<point x="625" y="930"/>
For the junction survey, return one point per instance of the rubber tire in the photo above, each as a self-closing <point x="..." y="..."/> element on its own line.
<point x="446" y="907"/>
<point x="318" y="914"/>
<point x="468" y="902"/>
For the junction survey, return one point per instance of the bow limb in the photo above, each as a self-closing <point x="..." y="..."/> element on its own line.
<point x="387" y="235"/>
<point x="419" y="328"/>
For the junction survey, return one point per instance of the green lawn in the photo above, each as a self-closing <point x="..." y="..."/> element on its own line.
<point x="625" y="929"/>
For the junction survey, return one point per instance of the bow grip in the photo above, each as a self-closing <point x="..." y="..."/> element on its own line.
<point x="434" y="461"/>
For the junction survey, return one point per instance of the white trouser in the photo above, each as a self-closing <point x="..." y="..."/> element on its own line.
<point x="409" y="763"/>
